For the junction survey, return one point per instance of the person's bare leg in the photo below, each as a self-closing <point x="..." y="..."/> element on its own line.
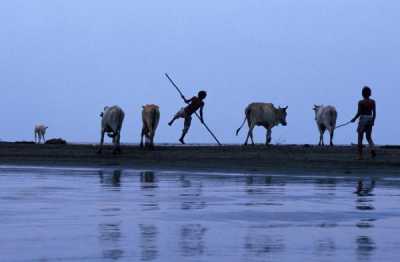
<point x="176" y="116"/>
<point x="360" y="145"/>
<point x="188" y="121"/>
<point x="370" y="142"/>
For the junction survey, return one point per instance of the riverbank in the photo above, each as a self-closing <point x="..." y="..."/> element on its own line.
<point x="230" y="158"/>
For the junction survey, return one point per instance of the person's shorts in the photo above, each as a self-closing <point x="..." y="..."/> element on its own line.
<point x="365" y="124"/>
<point x="181" y="113"/>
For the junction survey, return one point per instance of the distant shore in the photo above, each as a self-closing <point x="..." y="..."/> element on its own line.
<point x="231" y="158"/>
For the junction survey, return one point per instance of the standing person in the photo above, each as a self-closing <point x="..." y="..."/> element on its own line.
<point x="186" y="113"/>
<point x="367" y="114"/>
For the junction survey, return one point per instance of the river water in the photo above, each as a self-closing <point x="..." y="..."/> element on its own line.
<point x="67" y="214"/>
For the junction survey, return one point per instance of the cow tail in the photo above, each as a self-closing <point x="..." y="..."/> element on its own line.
<point x="244" y="121"/>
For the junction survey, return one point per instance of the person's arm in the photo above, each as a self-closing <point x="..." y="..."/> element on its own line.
<point x="201" y="114"/>
<point x="358" y="113"/>
<point x="373" y="113"/>
<point x="187" y="101"/>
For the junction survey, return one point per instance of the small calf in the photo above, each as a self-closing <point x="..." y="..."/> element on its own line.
<point x="40" y="131"/>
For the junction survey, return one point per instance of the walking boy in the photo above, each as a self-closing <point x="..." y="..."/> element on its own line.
<point x="186" y="113"/>
<point x="367" y="114"/>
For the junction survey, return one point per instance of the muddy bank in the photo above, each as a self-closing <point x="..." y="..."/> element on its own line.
<point x="234" y="158"/>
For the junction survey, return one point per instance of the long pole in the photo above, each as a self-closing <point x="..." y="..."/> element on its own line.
<point x="204" y="124"/>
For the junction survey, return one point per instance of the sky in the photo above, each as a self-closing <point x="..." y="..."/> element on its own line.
<point x="62" y="61"/>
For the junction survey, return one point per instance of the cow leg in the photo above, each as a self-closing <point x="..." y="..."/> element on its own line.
<point x="101" y="141"/>
<point x="321" y="135"/>
<point x="118" y="141"/>
<point x="151" y="134"/>
<point x="44" y="139"/>
<point x="331" y="133"/>
<point x="269" y="136"/>
<point x="249" y="135"/>
<point x="141" y="137"/>
<point x="117" y="148"/>
<point x="251" y="138"/>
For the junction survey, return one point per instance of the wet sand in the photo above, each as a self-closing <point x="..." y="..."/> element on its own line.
<point x="230" y="158"/>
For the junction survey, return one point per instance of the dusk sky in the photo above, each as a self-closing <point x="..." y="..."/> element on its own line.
<point x="62" y="61"/>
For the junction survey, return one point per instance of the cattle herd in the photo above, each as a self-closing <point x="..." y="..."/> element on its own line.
<point x="256" y="114"/>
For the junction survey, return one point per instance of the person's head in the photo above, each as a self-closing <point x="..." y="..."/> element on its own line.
<point x="202" y="94"/>
<point x="366" y="92"/>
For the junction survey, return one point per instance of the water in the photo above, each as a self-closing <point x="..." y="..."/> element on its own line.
<point x="126" y="215"/>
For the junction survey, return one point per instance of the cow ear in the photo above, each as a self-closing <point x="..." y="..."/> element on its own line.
<point x="286" y="108"/>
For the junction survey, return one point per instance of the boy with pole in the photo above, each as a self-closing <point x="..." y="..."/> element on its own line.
<point x="194" y="104"/>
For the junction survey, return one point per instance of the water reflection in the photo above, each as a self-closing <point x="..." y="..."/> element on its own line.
<point x="155" y="216"/>
<point x="363" y="190"/>
<point x="365" y="197"/>
<point x="110" y="233"/>
<point x="148" y="242"/>
<point x="365" y="247"/>
<point x="110" y="237"/>
<point x="148" y="180"/>
<point x="149" y="184"/>
<point x="191" y="196"/>
<point x="326" y="185"/>
<point x="264" y="190"/>
<point x="192" y="240"/>
<point x="325" y="247"/>
<point x="258" y="242"/>
<point x="112" y="181"/>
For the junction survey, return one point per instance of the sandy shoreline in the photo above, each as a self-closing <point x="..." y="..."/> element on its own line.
<point x="234" y="158"/>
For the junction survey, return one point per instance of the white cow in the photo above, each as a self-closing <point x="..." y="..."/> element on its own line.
<point x="40" y="131"/>
<point x="325" y="117"/>
<point x="263" y="114"/>
<point x="150" y="119"/>
<point x="111" y="123"/>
